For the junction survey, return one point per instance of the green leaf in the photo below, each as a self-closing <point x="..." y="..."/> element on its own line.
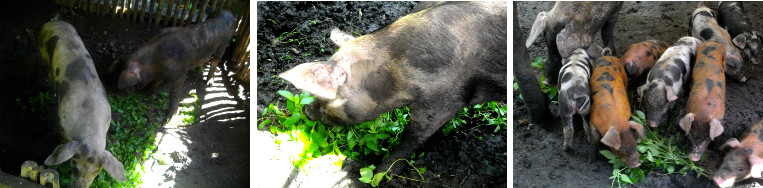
<point x="640" y="114"/>
<point x="650" y="157"/>
<point x="367" y="173"/>
<point x="670" y="169"/>
<point x="625" y="178"/>
<point x="263" y="123"/>
<point x="293" y="119"/>
<point x="608" y="154"/>
<point x="286" y="94"/>
<point x="306" y="101"/>
<point x="422" y="170"/>
<point x="371" y="142"/>
<point x="642" y="148"/>
<point x="377" y="178"/>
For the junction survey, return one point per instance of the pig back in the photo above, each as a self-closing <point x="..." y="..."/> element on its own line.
<point x="84" y="112"/>
<point x="610" y="102"/>
<point x="708" y="91"/>
<point x="640" y="57"/>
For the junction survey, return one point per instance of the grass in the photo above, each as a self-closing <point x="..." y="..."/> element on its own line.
<point x="374" y="137"/>
<point x="658" y="153"/>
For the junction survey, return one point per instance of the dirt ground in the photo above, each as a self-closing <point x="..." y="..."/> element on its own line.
<point x="217" y="146"/>
<point x="538" y="158"/>
<point x="454" y="160"/>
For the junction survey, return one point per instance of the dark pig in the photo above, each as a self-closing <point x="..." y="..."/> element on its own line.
<point x="575" y="93"/>
<point x="173" y="52"/>
<point x="640" y="57"/>
<point x="706" y="105"/>
<point x="745" y="159"/>
<point x="731" y="16"/>
<point x="610" y="112"/>
<point x="704" y="26"/>
<point x="84" y="112"/>
<point x="665" y="80"/>
<point x="572" y="25"/>
<point x="434" y="61"/>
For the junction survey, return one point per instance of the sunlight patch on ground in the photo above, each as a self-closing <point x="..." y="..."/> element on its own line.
<point x="170" y="157"/>
<point x="273" y="164"/>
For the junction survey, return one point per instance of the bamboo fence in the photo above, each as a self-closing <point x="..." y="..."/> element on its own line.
<point x="179" y="13"/>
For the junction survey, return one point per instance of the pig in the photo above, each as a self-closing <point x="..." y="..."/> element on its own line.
<point x="575" y="93"/>
<point x="731" y="16"/>
<point x="30" y="169"/>
<point x="572" y="25"/>
<point x="49" y="176"/>
<point x="706" y="105"/>
<point x="168" y="56"/>
<point x="610" y="112"/>
<point x="704" y="26"/>
<point x="84" y="112"/>
<point x="640" y="57"/>
<point x="665" y="80"/>
<point x="744" y="160"/>
<point x="424" y="60"/>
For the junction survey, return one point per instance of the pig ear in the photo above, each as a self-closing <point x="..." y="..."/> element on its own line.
<point x="62" y="153"/>
<point x="756" y="166"/>
<point x="640" y="90"/>
<point x="320" y="79"/>
<point x="112" y="166"/>
<point x="117" y="64"/>
<point x="730" y="144"/>
<point x="340" y="37"/>
<point x="637" y="127"/>
<point x="739" y="41"/>
<point x="612" y="138"/>
<point x="670" y="95"/>
<point x="538" y="26"/>
<point x="716" y="129"/>
<point x="685" y="122"/>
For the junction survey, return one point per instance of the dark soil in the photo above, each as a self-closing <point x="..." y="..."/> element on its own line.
<point x="538" y="158"/>
<point x="471" y="158"/>
<point x="27" y="135"/>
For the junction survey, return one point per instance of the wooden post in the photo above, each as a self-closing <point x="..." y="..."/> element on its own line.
<point x="214" y="5"/>
<point x="136" y="8"/>
<point x="229" y="4"/>
<point x="202" y="11"/>
<point x="184" y="12"/>
<point x="142" y="10"/>
<point x="175" y="16"/>
<point x="195" y="8"/>
<point x="158" y="15"/>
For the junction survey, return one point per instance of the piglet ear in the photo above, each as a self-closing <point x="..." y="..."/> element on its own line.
<point x="685" y="122"/>
<point x="606" y="52"/>
<point x="716" y="129"/>
<point x="756" y="166"/>
<point x="641" y="89"/>
<point x="670" y="95"/>
<point x="117" y="64"/>
<point x="739" y="40"/>
<point x="637" y="127"/>
<point x="612" y="138"/>
<point x="112" y="165"/>
<point x="320" y="79"/>
<point x="340" y="37"/>
<point x="731" y="143"/>
<point x="63" y="153"/>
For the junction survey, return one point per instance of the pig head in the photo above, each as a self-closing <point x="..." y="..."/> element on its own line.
<point x="83" y="110"/>
<point x="640" y="57"/>
<point x="169" y="55"/>
<point x="743" y="159"/>
<point x="572" y="25"/>
<point x="434" y="61"/>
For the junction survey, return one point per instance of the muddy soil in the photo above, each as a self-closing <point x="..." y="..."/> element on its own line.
<point x="27" y="134"/>
<point x="473" y="157"/>
<point x="538" y="158"/>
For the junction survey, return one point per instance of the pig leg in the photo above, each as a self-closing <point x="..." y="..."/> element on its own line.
<point x="175" y="90"/>
<point x="593" y="139"/>
<point x="608" y="34"/>
<point x="423" y="124"/>
<point x="554" y="61"/>
<point x="568" y="132"/>
<point x="213" y="64"/>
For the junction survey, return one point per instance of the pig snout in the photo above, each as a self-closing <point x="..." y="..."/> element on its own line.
<point x="634" y="163"/>
<point x="720" y="182"/>
<point x="653" y="124"/>
<point x="695" y="156"/>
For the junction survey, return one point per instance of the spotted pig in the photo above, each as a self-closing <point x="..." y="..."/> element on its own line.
<point x="731" y="16"/>
<point x="744" y="160"/>
<point x="704" y="26"/>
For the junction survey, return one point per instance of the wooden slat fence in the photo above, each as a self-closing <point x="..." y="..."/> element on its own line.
<point x="179" y="13"/>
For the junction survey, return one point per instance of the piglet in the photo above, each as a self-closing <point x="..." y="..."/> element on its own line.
<point x="706" y="105"/>
<point x="745" y="159"/>
<point x="704" y="26"/>
<point x="610" y="111"/>
<point x="575" y="93"/>
<point x="640" y="57"/>
<point x="84" y="112"/>
<point x="665" y="80"/>
<point x="731" y="16"/>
